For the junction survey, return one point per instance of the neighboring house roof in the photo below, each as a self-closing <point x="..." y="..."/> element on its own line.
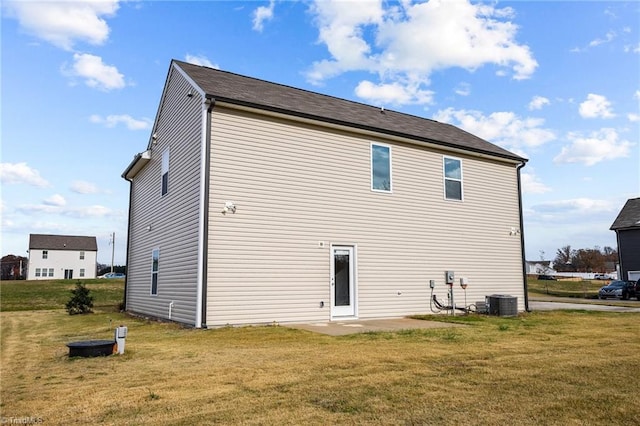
<point x="629" y="216"/>
<point x="251" y="92"/>
<point x="62" y="242"/>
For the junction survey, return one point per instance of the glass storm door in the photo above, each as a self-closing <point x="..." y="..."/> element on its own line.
<point x="342" y="282"/>
<point x="68" y="274"/>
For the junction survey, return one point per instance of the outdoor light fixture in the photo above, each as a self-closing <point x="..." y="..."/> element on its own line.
<point x="229" y="206"/>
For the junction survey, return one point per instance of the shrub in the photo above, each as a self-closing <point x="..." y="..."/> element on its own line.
<point x="81" y="301"/>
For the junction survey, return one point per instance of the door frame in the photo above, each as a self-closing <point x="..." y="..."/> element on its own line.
<point x="353" y="284"/>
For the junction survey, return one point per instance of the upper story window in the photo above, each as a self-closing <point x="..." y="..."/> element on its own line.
<point x="81" y="255"/>
<point x="380" y="168"/>
<point x="452" y="168"/>
<point x="45" y="254"/>
<point x="165" y="172"/>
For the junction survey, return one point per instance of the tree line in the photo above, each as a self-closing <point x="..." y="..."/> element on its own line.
<point x="585" y="260"/>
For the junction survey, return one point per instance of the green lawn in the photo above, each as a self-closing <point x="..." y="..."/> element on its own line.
<point x="53" y="294"/>
<point x="562" y="288"/>
<point x="551" y="368"/>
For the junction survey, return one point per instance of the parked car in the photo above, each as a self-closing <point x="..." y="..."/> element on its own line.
<point x="619" y="290"/>
<point x="113" y="275"/>
<point x="547" y="277"/>
<point x="601" y="277"/>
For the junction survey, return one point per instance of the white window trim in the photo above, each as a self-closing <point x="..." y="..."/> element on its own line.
<point x="445" y="178"/>
<point x="382" y="191"/>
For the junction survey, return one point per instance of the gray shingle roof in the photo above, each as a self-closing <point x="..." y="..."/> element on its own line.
<point x="251" y="92"/>
<point x="629" y="216"/>
<point x="62" y="242"/>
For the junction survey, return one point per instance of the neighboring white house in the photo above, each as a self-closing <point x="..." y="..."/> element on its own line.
<point x="544" y="267"/>
<point x="255" y="202"/>
<point x="62" y="257"/>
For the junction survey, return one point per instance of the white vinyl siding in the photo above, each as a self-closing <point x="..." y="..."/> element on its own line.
<point x="169" y="221"/>
<point x="57" y="261"/>
<point x="300" y="188"/>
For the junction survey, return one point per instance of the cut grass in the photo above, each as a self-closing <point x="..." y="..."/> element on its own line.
<point x="587" y="289"/>
<point x="572" y="367"/>
<point x="53" y="294"/>
<point x="541" y="368"/>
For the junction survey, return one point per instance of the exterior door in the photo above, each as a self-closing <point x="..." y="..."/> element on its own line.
<point x="342" y="281"/>
<point x="68" y="274"/>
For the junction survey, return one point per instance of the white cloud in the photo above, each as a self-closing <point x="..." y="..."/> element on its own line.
<point x="463" y="89"/>
<point x="262" y="14"/>
<point x="16" y="173"/>
<point x="634" y="118"/>
<point x="602" y="145"/>
<point x="407" y="42"/>
<point x="632" y="48"/>
<point x="596" y="106"/>
<point x="637" y="94"/>
<point x="95" y="211"/>
<point x="55" y="200"/>
<point x="200" y="60"/>
<point x="127" y="120"/>
<point x="393" y="93"/>
<point x="607" y="39"/>
<point x="531" y="184"/>
<point x="538" y="102"/>
<point x="585" y="206"/>
<point x="96" y="73"/>
<point x="82" y="187"/>
<point x="502" y="128"/>
<point x="63" y="23"/>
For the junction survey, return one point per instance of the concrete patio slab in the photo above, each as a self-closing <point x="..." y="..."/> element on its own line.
<point x="342" y="328"/>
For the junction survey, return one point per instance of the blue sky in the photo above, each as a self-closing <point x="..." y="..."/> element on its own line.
<point x="556" y="82"/>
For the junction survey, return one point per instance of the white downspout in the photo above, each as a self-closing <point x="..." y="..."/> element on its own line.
<point x="202" y="213"/>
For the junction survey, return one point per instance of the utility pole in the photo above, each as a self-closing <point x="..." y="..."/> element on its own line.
<point x="113" y="248"/>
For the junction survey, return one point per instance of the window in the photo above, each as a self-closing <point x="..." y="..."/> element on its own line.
<point x="165" y="172"/>
<point x="81" y="255"/>
<point x="155" y="258"/>
<point x="82" y="272"/>
<point x="50" y="272"/>
<point x="380" y="168"/>
<point x="38" y="272"/>
<point x="45" y="254"/>
<point x="452" y="178"/>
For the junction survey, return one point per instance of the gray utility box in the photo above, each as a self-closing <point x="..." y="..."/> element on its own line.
<point x="502" y="305"/>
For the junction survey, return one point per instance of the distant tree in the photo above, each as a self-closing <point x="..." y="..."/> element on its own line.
<point x="584" y="260"/>
<point x="563" y="260"/>
<point x="105" y="269"/>
<point x="13" y="267"/>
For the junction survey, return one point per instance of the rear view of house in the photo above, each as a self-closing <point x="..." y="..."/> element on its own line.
<point x="255" y="202"/>
<point x="62" y="257"/>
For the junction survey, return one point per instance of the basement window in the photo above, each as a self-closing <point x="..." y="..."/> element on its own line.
<point x="452" y="170"/>
<point x="155" y="259"/>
